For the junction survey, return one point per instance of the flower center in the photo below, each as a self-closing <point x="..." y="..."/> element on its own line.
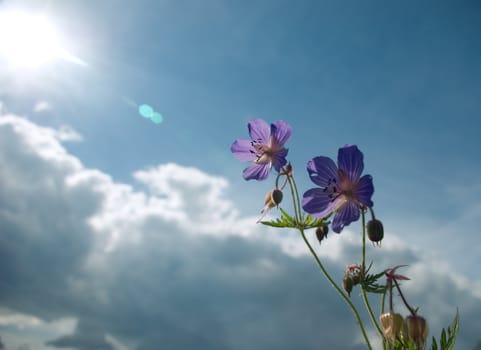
<point x="331" y="189"/>
<point x="347" y="187"/>
<point x="334" y="189"/>
<point x="263" y="152"/>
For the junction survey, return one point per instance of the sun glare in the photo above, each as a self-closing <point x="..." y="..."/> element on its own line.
<point x="28" y="40"/>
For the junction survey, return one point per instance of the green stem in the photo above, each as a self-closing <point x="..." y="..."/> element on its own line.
<point x="363" y="291"/>
<point x="383" y="300"/>
<point x="298" y="215"/>
<point x="295" y="199"/>
<point x="411" y="310"/>
<point x="293" y="184"/>
<point x="338" y="289"/>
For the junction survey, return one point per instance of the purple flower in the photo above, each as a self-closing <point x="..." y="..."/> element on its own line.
<point x="343" y="190"/>
<point x="391" y="274"/>
<point x="264" y="150"/>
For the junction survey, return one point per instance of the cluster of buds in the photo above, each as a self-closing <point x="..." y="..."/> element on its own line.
<point x="397" y="328"/>
<point x="413" y="328"/>
<point x="352" y="277"/>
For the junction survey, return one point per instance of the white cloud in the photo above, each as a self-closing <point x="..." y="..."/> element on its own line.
<point x="18" y="320"/>
<point x="175" y="263"/>
<point x="66" y="133"/>
<point x="16" y="325"/>
<point x="42" y="106"/>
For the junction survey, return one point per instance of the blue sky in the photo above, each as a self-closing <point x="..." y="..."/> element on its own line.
<point x="402" y="80"/>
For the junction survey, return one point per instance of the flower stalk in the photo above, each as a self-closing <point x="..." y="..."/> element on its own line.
<point x="363" y="290"/>
<point x="298" y="215"/>
<point x="344" y="194"/>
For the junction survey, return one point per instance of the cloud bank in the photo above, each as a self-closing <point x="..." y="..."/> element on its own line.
<point x="88" y="262"/>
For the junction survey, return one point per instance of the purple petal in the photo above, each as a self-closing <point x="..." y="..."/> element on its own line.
<point x="350" y="161"/>
<point x="243" y="150"/>
<point x="259" y="131"/>
<point x="321" y="170"/>
<point x="346" y="214"/>
<point x="256" y="172"/>
<point x="279" y="159"/>
<point x="364" y="190"/>
<point x="317" y="203"/>
<point x="280" y="131"/>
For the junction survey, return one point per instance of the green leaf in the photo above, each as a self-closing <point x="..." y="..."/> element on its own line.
<point x="453" y="332"/>
<point x="276" y="223"/>
<point x="443" y="339"/>
<point x="311" y="222"/>
<point x="448" y="337"/>
<point x="370" y="284"/>
<point x="308" y="220"/>
<point x="404" y="344"/>
<point x="284" y="221"/>
<point x="287" y="217"/>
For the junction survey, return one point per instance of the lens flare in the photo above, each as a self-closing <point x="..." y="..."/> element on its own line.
<point x="156" y="118"/>
<point x="146" y="111"/>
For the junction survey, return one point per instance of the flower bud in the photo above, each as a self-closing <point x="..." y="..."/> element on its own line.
<point x="352" y="277"/>
<point x="347" y="284"/>
<point x="375" y="231"/>
<point x="417" y="330"/>
<point x="288" y="169"/>
<point x="321" y="232"/>
<point x="273" y="198"/>
<point x="392" y="325"/>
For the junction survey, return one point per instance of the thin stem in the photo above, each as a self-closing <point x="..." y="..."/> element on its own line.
<point x="363" y="216"/>
<point x="337" y="288"/>
<point x="298" y="215"/>
<point x="411" y="310"/>
<point x="283" y="184"/>
<point x="293" y="183"/>
<point x="295" y="200"/>
<point x="372" y="213"/>
<point x="391" y="305"/>
<point x="363" y="291"/>
<point x="383" y="299"/>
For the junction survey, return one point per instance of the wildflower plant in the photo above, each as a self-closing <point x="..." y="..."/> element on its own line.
<point x="342" y="196"/>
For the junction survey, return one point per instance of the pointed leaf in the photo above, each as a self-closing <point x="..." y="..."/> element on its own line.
<point x="289" y="218"/>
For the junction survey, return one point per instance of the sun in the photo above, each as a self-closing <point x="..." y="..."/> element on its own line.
<point x="30" y="40"/>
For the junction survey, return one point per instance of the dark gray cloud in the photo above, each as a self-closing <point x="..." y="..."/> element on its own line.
<point x="140" y="270"/>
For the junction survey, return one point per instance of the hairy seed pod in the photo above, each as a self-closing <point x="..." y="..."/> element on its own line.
<point x="347" y="284"/>
<point x="392" y="325"/>
<point x="321" y="232"/>
<point x="276" y="196"/>
<point x="375" y="231"/>
<point x="417" y="330"/>
<point x="273" y="198"/>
